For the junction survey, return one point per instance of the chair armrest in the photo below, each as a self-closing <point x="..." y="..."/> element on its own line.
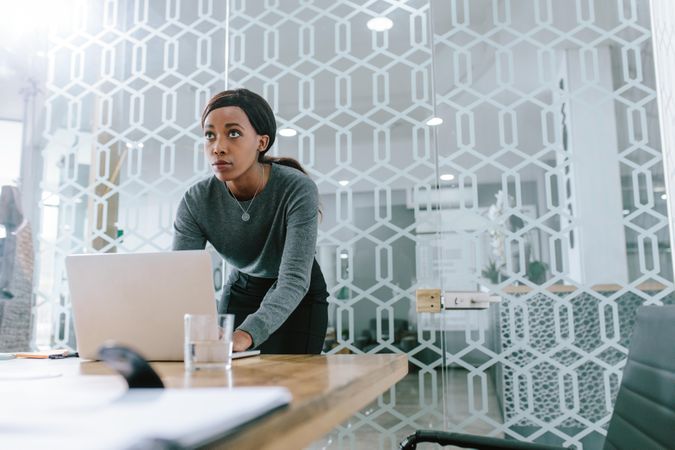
<point x="469" y="441"/>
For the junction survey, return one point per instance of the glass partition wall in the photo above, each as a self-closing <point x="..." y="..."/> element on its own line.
<point x="551" y="133"/>
<point x="539" y="180"/>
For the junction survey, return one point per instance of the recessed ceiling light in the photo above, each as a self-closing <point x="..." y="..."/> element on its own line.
<point x="664" y="196"/>
<point x="447" y="177"/>
<point x="343" y="182"/>
<point x="434" y="121"/>
<point x="139" y="144"/>
<point x="626" y="212"/>
<point x="379" y="24"/>
<point x="129" y="145"/>
<point x="344" y="255"/>
<point x="287" y="132"/>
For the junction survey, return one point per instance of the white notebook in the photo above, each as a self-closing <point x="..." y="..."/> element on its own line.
<point x="108" y="419"/>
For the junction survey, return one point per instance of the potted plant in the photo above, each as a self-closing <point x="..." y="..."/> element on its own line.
<point x="493" y="272"/>
<point x="536" y="271"/>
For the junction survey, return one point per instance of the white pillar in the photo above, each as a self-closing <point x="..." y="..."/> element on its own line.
<point x="599" y="253"/>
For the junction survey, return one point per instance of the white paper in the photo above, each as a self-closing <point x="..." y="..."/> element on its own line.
<point x="112" y="418"/>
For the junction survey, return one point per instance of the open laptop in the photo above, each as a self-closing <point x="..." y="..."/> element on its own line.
<point x="138" y="300"/>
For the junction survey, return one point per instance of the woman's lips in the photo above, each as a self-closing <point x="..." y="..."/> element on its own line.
<point x="221" y="165"/>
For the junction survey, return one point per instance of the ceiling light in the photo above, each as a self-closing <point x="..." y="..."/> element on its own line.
<point x="664" y="196"/>
<point x="626" y="212"/>
<point x="287" y="132"/>
<point x="379" y="24"/>
<point x="25" y="18"/>
<point x="139" y="144"/>
<point x="343" y="182"/>
<point x="344" y="255"/>
<point x="434" y="121"/>
<point x="130" y="145"/>
<point x="447" y="177"/>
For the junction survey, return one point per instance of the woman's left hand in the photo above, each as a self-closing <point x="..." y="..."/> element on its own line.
<point x="241" y="341"/>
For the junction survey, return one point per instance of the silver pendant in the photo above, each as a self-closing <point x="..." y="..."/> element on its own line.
<point x="245" y="217"/>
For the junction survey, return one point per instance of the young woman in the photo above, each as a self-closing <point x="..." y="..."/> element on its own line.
<point x="261" y="214"/>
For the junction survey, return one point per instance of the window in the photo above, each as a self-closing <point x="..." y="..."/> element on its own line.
<point x="10" y="151"/>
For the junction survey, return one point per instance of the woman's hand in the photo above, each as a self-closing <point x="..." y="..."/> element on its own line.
<point x="241" y="341"/>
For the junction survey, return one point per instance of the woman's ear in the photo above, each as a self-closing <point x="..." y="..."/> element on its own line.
<point x="263" y="142"/>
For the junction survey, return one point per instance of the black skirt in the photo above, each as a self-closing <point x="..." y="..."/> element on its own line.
<point x="305" y="329"/>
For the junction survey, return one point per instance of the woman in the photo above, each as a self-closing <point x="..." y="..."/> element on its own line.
<point x="261" y="214"/>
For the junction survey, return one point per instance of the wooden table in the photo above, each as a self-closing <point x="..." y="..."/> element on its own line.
<point x="326" y="391"/>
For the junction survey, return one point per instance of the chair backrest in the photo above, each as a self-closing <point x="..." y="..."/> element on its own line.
<point x="644" y="412"/>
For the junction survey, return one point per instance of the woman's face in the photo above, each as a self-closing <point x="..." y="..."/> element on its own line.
<point x="231" y="143"/>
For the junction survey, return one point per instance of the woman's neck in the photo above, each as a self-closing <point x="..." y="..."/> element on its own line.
<point x="249" y="184"/>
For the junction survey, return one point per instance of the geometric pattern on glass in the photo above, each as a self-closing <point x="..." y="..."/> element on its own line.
<point x="551" y="135"/>
<point x="359" y="101"/>
<point x="524" y="88"/>
<point x="124" y="92"/>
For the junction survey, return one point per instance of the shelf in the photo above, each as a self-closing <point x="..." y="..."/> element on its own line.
<point x="565" y="288"/>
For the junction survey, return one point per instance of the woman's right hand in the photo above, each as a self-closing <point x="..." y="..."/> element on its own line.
<point x="241" y="341"/>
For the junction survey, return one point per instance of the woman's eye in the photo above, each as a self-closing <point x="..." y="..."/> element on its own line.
<point x="208" y="136"/>
<point x="234" y="133"/>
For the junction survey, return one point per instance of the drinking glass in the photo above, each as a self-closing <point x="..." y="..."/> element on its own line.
<point x="208" y="341"/>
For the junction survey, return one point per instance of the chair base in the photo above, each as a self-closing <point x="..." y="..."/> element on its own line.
<point x="469" y="441"/>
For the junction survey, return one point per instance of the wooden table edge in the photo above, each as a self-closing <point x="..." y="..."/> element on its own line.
<point x="300" y="425"/>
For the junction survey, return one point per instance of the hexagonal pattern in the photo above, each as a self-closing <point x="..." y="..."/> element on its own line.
<point x="126" y="84"/>
<point x="517" y="90"/>
<point x="128" y="80"/>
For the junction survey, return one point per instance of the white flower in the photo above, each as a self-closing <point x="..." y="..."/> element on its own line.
<point x="498" y="218"/>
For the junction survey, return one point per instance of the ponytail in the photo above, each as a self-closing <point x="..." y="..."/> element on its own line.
<point x="283" y="161"/>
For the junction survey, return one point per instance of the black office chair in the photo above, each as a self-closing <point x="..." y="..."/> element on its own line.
<point x="644" y="412"/>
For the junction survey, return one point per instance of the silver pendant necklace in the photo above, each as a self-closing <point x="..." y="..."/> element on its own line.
<point x="245" y="215"/>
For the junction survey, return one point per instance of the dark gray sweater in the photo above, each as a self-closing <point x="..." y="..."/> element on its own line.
<point x="278" y="241"/>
